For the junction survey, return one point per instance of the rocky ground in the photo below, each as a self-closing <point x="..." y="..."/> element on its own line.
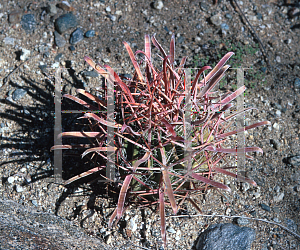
<point x="205" y="31"/>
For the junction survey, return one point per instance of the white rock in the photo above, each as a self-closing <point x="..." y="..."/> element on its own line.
<point x="19" y="188"/>
<point x="178" y="235"/>
<point x="278" y="59"/>
<point x="276" y="126"/>
<point x="108" y="9"/>
<point x="119" y="12"/>
<point x="278" y="112"/>
<point x="11" y="179"/>
<point x="55" y="65"/>
<point x="278" y="197"/>
<point x="133" y="225"/>
<point x="24" y="54"/>
<point x="158" y="5"/>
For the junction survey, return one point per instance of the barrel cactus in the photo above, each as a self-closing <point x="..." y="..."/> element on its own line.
<point x="167" y="132"/>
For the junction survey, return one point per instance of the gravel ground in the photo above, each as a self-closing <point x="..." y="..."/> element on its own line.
<point x="205" y="32"/>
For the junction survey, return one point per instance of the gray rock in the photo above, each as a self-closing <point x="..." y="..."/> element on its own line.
<point x="228" y="16"/>
<point x="242" y="221"/>
<point x="59" y="40"/>
<point x="226" y="237"/>
<point x="90" y="33"/>
<point x="65" y="22"/>
<point x="278" y="197"/>
<point x="40" y="230"/>
<point x="112" y="17"/>
<point x="294" y="161"/>
<point x="14" y="17"/>
<point x="18" y="94"/>
<point x="9" y="40"/>
<point x="28" y="23"/>
<point x="275" y="143"/>
<point x="76" y="36"/>
<point x="297" y="83"/>
<point x="224" y="26"/>
<point x="58" y="57"/>
<point x="265" y="207"/>
<point x="51" y="9"/>
<point x="92" y="73"/>
<point x="216" y="20"/>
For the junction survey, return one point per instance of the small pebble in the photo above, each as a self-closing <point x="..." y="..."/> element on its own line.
<point x="19" y="188"/>
<point x="278" y="113"/>
<point x="276" y="126"/>
<point x="14" y="17"/>
<point x="158" y="4"/>
<point x="65" y="22"/>
<point x="112" y="17"/>
<point x="171" y="230"/>
<point x="297" y="83"/>
<point x="24" y="54"/>
<point x="34" y="202"/>
<point x="278" y="197"/>
<point x="228" y="16"/>
<point x="90" y="33"/>
<point x="265" y="207"/>
<point x="28" y="23"/>
<point x="9" y="41"/>
<point x="224" y="26"/>
<point x="51" y="9"/>
<point x="108" y="9"/>
<point x="263" y="69"/>
<point x="92" y="73"/>
<point x="59" y="40"/>
<point x="58" y="57"/>
<point x="18" y="94"/>
<point x="76" y="36"/>
<point x="72" y="48"/>
<point x="11" y="179"/>
<point x="278" y="59"/>
<point x="216" y="20"/>
<point x="242" y="221"/>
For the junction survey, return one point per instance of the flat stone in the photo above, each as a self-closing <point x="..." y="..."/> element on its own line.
<point x="265" y="207"/>
<point x="92" y="73"/>
<point x="18" y="94"/>
<point x="65" y="22"/>
<point x="243" y="221"/>
<point x="226" y="237"/>
<point x="216" y="20"/>
<point x="90" y="33"/>
<point x="9" y="40"/>
<point x="14" y="16"/>
<point x="58" y="57"/>
<point x="59" y="40"/>
<point x="28" y="23"/>
<point x="76" y="36"/>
